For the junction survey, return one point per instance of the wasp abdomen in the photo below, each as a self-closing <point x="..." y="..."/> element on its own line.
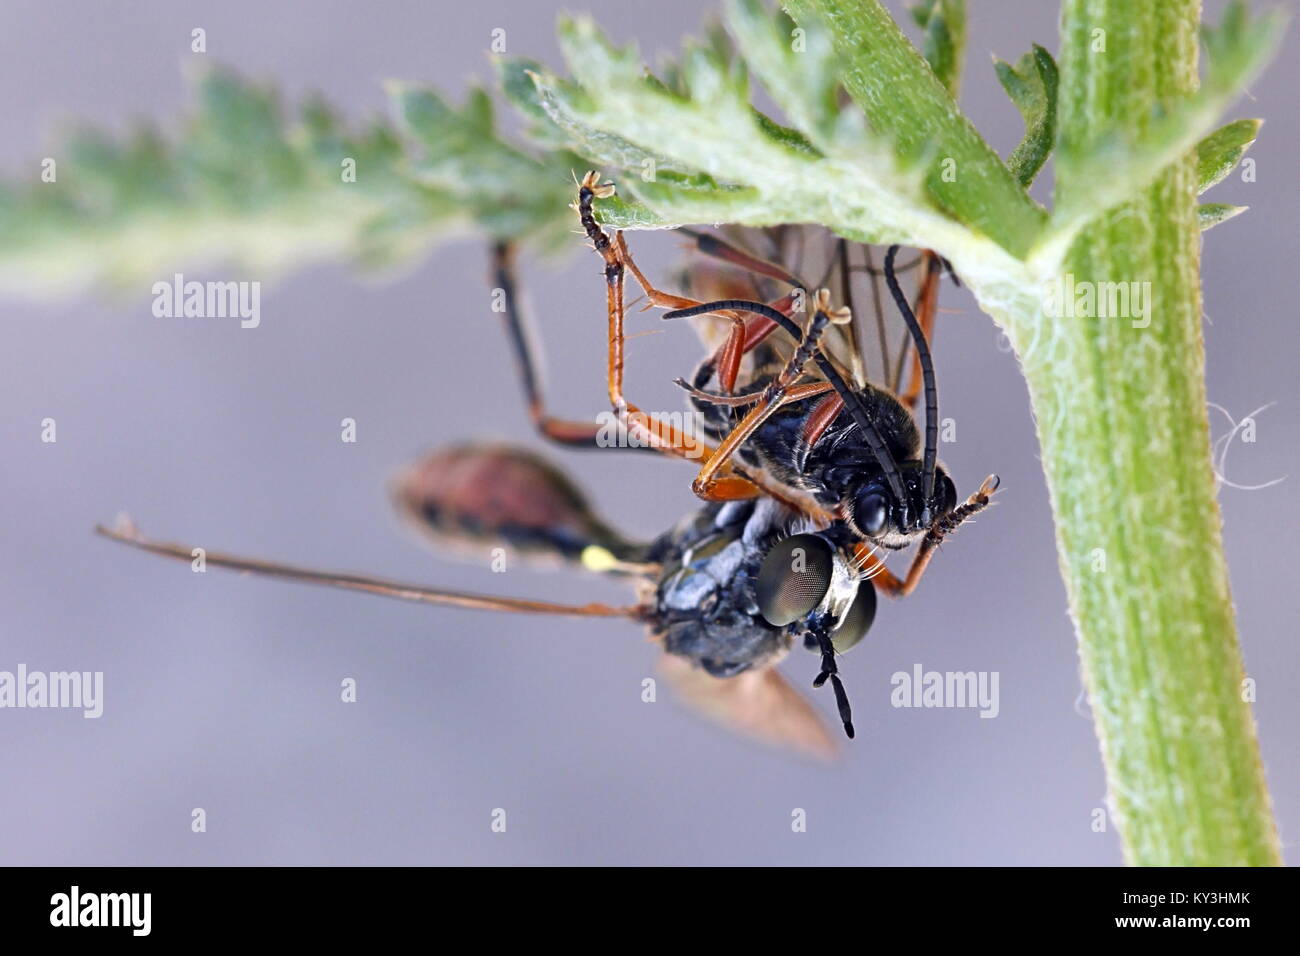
<point x="479" y="495"/>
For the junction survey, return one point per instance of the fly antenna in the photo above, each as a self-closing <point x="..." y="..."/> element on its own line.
<point x="829" y="669"/>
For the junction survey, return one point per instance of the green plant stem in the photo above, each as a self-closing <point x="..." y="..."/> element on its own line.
<point x="1121" y="414"/>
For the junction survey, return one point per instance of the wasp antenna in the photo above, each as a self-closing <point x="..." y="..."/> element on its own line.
<point x="927" y="373"/>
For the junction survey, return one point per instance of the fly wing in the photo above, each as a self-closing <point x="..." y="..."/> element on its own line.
<point x="759" y="704"/>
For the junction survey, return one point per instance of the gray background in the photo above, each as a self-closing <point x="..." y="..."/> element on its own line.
<point x="223" y="692"/>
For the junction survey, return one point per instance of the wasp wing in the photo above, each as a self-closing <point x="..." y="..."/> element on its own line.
<point x="874" y="347"/>
<point x="759" y="704"/>
<point x="469" y="497"/>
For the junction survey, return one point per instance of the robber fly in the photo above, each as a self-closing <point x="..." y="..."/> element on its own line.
<point x="803" y="492"/>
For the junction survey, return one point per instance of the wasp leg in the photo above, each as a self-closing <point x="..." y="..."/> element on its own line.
<point x="746" y="333"/>
<point x="822" y="416"/>
<point x="874" y="569"/>
<point x="658" y="435"/>
<point x="709" y="484"/>
<point x="717" y="248"/>
<point x="571" y="434"/>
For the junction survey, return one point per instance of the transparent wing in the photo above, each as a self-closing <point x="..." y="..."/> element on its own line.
<point x="759" y="704"/>
<point x="874" y="348"/>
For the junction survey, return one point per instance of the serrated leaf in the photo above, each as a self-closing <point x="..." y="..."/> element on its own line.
<point x="795" y="65"/>
<point x="1221" y="151"/>
<point x="909" y="108"/>
<point x="1032" y="85"/>
<point x="731" y="164"/>
<point x="244" y="184"/>
<point x="943" y="23"/>
<point x="1212" y="213"/>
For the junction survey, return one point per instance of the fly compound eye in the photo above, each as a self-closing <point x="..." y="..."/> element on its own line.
<point x="857" y="620"/>
<point x="794" y="578"/>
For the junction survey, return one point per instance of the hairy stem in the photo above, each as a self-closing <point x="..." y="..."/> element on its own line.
<point x="1121" y="411"/>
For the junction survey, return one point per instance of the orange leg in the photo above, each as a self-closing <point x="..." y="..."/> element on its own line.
<point x="746" y="333"/>
<point x="727" y="359"/>
<point x="657" y="434"/>
<point x="708" y="483"/>
<point x="562" y="431"/>
<point x="711" y="486"/>
<point x="743" y="339"/>
<point x="718" y="248"/>
<point x="820" y="419"/>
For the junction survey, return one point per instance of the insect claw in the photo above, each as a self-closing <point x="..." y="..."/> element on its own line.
<point x="598" y="189"/>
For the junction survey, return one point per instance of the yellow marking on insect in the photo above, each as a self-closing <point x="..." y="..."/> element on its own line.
<point x="596" y="558"/>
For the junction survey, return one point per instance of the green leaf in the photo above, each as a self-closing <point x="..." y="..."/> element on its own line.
<point x="906" y="104"/>
<point x="241" y="184"/>
<point x="944" y="44"/>
<point x="714" y="159"/>
<point x="508" y="193"/>
<point x="1032" y="85"/>
<point x="1210" y="214"/>
<point x="795" y="65"/>
<point x="1219" y="153"/>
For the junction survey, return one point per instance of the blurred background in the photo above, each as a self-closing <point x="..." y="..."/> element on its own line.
<point x="223" y="692"/>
